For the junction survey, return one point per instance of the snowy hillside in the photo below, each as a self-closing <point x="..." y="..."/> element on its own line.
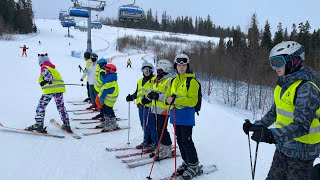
<point x="218" y="134"/>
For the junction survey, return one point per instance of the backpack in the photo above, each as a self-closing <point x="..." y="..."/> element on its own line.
<point x="198" y="105"/>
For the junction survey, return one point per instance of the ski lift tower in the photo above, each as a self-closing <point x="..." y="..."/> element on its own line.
<point x="99" y="6"/>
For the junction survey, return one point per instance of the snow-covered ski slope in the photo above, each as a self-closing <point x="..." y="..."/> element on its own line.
<point x="218" y="134"/>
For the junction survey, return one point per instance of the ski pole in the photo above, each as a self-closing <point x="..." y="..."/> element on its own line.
<point x="256" y="155"/>
<point x="128" y="123"/>
<point x="159" y="142"/>
<point x="145" y="128"/>
<point x="250" y="156"/>
<point x="175" y="141"/>
<point x="72" y="84"/>
<point x="80" y="68"/>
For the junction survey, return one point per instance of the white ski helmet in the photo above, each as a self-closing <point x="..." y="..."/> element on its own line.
<point x="147" y="64"/>
<point x="292" y="52"/>
<point x="181" y="59"/>
<point x="42" y="58"/>
<point x="165" y="65"/>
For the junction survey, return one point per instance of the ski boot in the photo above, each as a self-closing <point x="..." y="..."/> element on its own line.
<point x="87" y="100"/>
<point x="92" y="107"/>
<point x="98" y="116"/>
<point x="163" y="153"/>
<point x="112" y="124"/>
<point x="66" y="126"/>
<point x="192" y="171"/>
<point x="38" y="127"/>
<point x="105" y="122"/>
<point x="181" y="169"/>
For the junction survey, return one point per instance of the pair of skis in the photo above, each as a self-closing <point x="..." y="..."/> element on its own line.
<point x="207" y="169"/>
<point x="145" y="159"/>
<point x="52" y="121"/>
<point x="135" y="161"/>
<point x="93" y="121"/>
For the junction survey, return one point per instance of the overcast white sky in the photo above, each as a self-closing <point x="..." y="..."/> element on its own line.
<point x="223" y="12"/>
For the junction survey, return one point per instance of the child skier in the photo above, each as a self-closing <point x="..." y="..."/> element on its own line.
<point x="143" y="86"/>
<point x="87" y="58"/>
<point x="160" y="111"/>
<point x="107" y="97"/>
<point x="24" y="50"/>
<point x="52" y="86"/>
<point x="184" y="100"/>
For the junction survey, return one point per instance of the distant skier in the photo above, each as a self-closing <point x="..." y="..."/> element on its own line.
<point x="52" y="86"/>
<point x="295" y="114"/>
<point x="39" y="42"/>
<point x="24" y="50"/>
<point x="129" y="63"/>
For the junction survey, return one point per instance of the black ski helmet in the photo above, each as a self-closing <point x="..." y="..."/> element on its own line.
<point x="87" y="55"/>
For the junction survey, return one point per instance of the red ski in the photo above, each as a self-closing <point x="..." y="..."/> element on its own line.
<point x="101" y="132"/>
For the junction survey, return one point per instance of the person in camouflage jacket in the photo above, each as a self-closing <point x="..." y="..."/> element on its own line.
<point x="295" y="115"/>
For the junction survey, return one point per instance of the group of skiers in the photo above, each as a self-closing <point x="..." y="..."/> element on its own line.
<point x="295" y="112"/>
<point x="103" y="89"/>
<point x="161" y="96"/>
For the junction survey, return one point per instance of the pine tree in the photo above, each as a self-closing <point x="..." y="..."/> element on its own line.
<point x="266" y="37"/>
<point x="278" y="37"/>
<point x="294" y="33"/>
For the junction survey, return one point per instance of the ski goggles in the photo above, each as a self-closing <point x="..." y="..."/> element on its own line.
<point x="182" y="61"/>
<point x="277" y="61"/>
<point x="146" y="70"/>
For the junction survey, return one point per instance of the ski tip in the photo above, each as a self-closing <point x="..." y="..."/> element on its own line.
<point x="77" y="137"/>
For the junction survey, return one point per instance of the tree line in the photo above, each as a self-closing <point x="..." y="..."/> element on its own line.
<point x="16" y="17"/>
<point x="243" y="55"/>
<point x="182" y="24"/>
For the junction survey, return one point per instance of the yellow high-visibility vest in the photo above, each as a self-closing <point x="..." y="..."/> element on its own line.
<point x="57" y="85"/>
<point x="285" y="113"/>
<point x="110" y="99"/>
<point x="143" y="90"/>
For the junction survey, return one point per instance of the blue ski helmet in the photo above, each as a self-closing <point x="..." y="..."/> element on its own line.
<point x="102" y="62"/>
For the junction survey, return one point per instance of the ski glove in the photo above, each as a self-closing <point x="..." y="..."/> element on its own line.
<point x="42" y="83"/>
<point x="246" y="126"/>
<point x="129" y="98"/>
<point x="262" y="134"/>
<point x="145" y="101"/>
<point x="153" y="95"/>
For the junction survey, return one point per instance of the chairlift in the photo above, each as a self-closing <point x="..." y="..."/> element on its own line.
<point x="62" y="15"/>
<point x="68" y="23"/>
<point x="69" y="18"/>
<point x="130" y="12"/>
<point x="79" y="13"/>
<point x="96" y="25"/>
